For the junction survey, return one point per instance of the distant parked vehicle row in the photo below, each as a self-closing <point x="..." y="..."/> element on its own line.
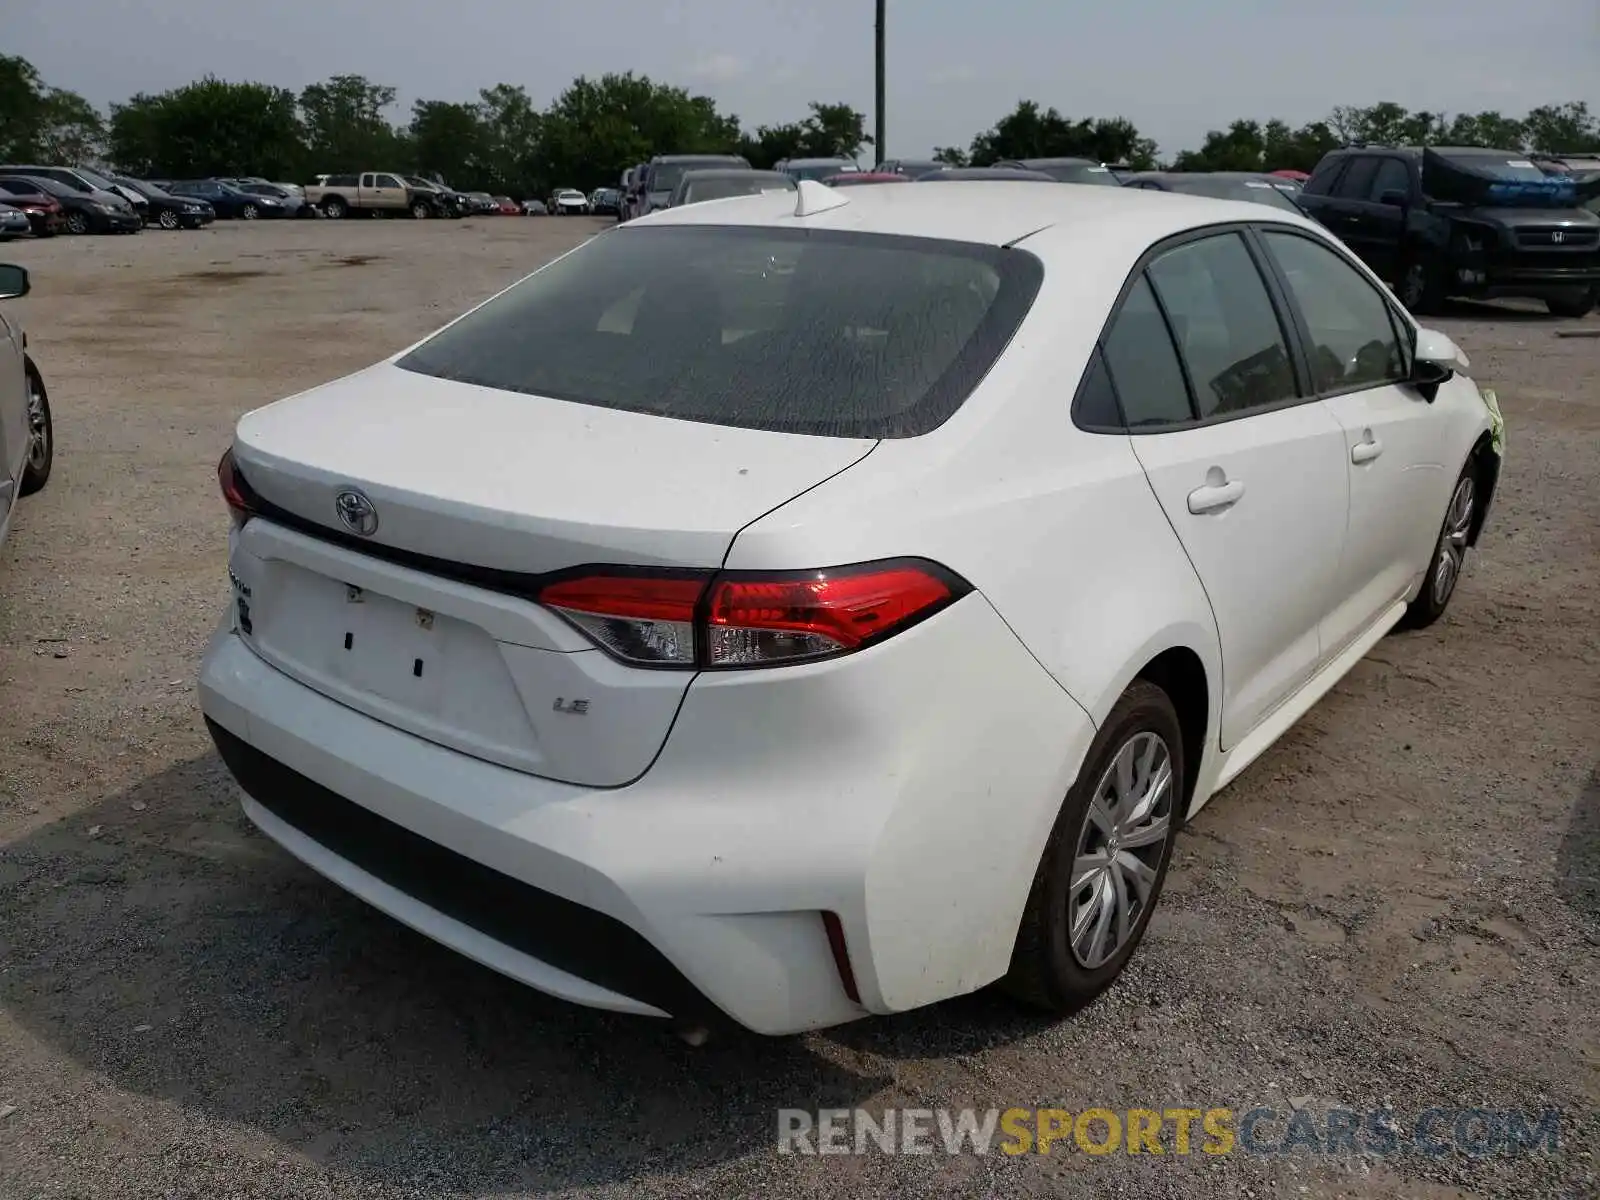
<point x="85" y="207"/>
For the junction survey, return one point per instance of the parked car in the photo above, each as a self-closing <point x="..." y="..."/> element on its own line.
<point x="985" y="175"/>
<point x="720" y="184"/>
<point x="371" y="193"/>
<point x="858" y="178"/>
<point x="481" y="204"/>
<point x="568" y="202"/>
<point x="815" y="168"/>
<point x="605" y="201"/>
<point x="508" y="207"/>
<point x="170" y="211"/>
<point x="79" y="179"/>
<point x="226" y="200"/>
<point x="27" y="437"/>
<point x="294" y="204"/>
<point x="688" y="708"/>
<point x="534" y="208"/>
<point x="662" y="173"/>
<point x="909" y="166"/>
<point x="88" y="212"/>
<point x="442" y="201"/>
<point x="43" y="210"/>
<point x="1444" y="221"/>
<point x="13" y="223"/>
<point x="1066" y="170"/>
<point x="1219" y="185"/>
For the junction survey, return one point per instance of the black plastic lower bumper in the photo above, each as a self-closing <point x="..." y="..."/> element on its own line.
<point x="550" y="928"/>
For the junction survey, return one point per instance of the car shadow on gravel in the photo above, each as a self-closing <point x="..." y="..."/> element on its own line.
<point x="163" y="943"/>
<point x="1578" y="859"/>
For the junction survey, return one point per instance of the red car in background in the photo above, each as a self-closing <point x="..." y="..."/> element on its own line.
<point x="507" y="206"/>
<point x="43" y="209"/>
<point x="855" y="178"/>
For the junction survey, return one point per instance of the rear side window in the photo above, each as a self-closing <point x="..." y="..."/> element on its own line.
<point x="1095" y="406"/>
<point x="1143" y="364"/>
<point x="1225" y="325"/>
<point x="798" y="331"/>
<point x="1323" y="178"/>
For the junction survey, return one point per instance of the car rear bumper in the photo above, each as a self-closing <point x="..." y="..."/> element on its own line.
<point x="890" y="788"/>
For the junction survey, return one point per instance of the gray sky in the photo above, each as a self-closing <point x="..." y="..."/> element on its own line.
<point x="1175" y="69"/>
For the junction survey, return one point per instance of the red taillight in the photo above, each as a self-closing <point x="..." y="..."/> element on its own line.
<point x="643" y="619"/>
<point x="755" y="620"/>
<point x="234" y="492"/>
<point x="749" y="619"/>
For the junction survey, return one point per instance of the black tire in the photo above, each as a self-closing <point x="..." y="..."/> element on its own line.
<point x="421" y="211"/>
<point x="1047" y="971"/>
<point x="77" y="223"/>
<point x="335" y="208"/>
<point x="36" y="471"/>
<point x="1421" y="287"/>
<point x="1577" y="304"/>
<point x="249" y="212"/>
<point x="1444" y="577"/>
<point x="168" y="219"/>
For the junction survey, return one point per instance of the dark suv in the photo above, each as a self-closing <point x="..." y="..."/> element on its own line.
<point x="1441" y="221"/>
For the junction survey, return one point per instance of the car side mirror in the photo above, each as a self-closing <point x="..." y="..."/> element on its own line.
<point x="1434" y="361"/>
<point x="1395" y="198"/>
<point x="13" y="281"/>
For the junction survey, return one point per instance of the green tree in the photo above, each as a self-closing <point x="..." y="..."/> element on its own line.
<point x="1031" y="132"/>
<point x="1250" y="146"/>
<point x="1488" y="129"/>
<point x="511" y="128"/>
<point x="830" y="131"/>
<point x="1563" y="128"/>
<point x="951" y="156"/>
<point x="210" y="127"/>
<point x="346" y="129"/>
<point x="448" y="140"/>
<point x="39" y="122"/>
<point x="597" y="128"/>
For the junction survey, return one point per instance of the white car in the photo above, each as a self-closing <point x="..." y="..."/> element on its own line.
<point x="27" y="443"/>
<point x="569" y="202"/>
<point x="832" y="603"/>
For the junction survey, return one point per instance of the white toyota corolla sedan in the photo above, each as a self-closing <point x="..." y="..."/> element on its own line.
<point x="795" y="607"/>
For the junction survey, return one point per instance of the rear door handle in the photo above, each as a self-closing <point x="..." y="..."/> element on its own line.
<point x="1215" y="496"/>
<point x="1366" y="450"/>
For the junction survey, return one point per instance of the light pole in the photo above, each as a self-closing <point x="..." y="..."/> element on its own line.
<point x="882" y="146"/>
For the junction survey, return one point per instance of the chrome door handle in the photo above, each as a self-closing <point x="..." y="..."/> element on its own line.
<point x="1215" y="496"/>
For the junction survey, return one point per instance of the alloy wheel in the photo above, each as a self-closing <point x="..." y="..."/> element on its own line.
<point x="1119" y="850"/>
<point x="168" y="219"/>
<point x="77" y="223"/>
<point x="1453" y="540"/>
<point x="38" y="426"/>
<point x="249" y="212"/>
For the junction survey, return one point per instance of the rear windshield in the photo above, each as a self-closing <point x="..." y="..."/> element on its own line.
<point x="720" y="187"/>
<point x="665" y="176"/>
<point x="1078" y="173"/>
<point x="1256" y="191"/>
<point x="799" y="331"/>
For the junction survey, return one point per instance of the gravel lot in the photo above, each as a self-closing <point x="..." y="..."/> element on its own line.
<point x="1398" y="904"/>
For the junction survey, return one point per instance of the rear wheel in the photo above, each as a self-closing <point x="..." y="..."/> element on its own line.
<point x="1573" y="304"/>
<point x="1103" y="866"/>
<point x="41" y="434"/>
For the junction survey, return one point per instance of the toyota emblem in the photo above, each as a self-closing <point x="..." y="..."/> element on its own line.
<point x="356" y="513"/>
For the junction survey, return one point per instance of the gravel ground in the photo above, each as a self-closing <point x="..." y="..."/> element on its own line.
<point x="1399" y="904"/>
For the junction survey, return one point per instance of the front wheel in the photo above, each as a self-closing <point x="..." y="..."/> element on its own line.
<point x="1573" y="304"/>
<point x="1421" y="288"/>
<point x="1449" y="554"/>
<point x="41" y="434"/>
<point x="1103" y="866"/>
<point x="77" y="222"/>
<point x="249" y="212"/>
<point x="167" y="219"/>
<point x="419" y="210"/>
<point x="334" y="208"/>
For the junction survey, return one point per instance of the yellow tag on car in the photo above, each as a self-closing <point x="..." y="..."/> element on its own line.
<point x="1497" y="423"/>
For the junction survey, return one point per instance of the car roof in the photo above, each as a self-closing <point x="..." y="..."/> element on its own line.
<point x="733" y="173"/>
<point x="679" y="158"/>
<point x="987" y="213"/>
<point x="1066" y="161"/>
<point x="986" y="173"/>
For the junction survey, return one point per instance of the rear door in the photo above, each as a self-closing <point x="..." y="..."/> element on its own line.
<point x="1247" y="466"/>
<point x="1359" y="347"/>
